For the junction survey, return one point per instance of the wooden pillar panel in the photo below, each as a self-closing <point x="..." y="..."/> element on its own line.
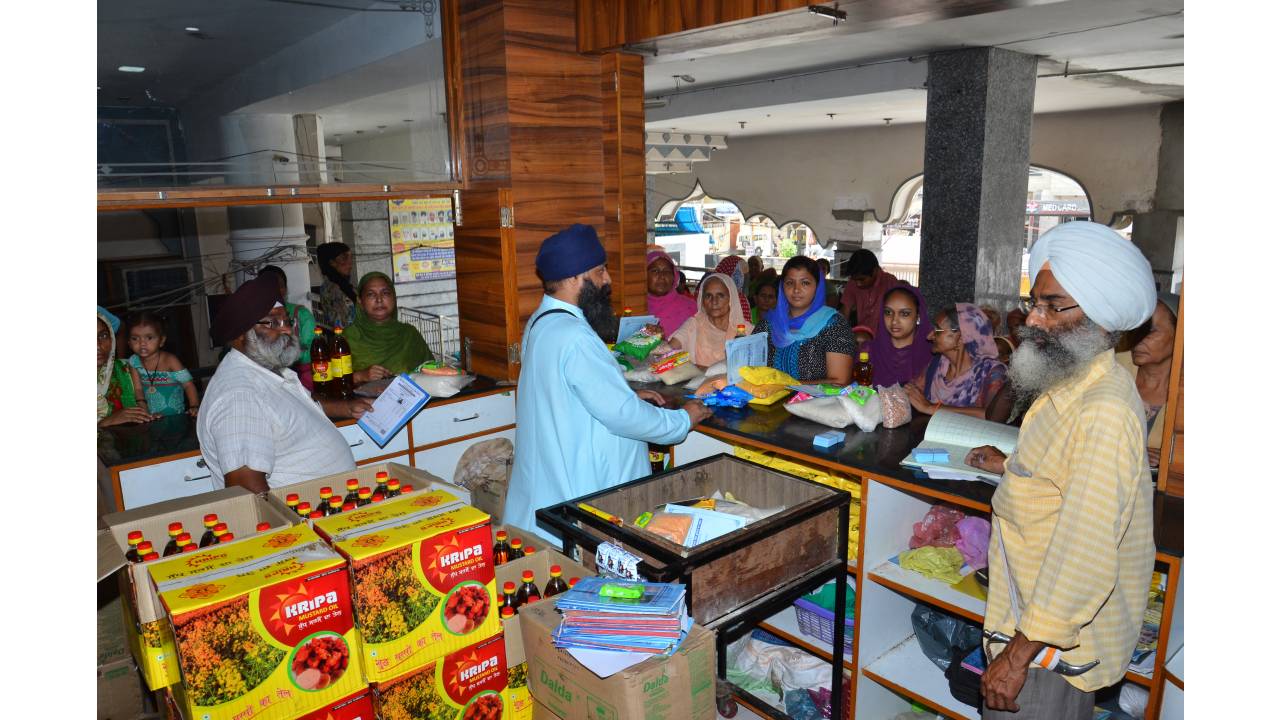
<point x="486" y="142"/>
<point x="622" y="88"/>
<point x="486" y="265"/>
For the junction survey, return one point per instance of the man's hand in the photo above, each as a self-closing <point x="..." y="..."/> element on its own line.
<point x="988" y="458"/>
<point x="1006" y="675"/>
<point x="358" y="407"/>
<point x="697" y="411"/>
<point x="652" y="396"/>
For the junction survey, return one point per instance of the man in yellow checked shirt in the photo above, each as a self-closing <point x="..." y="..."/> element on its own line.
<point x="1071" y="544"/>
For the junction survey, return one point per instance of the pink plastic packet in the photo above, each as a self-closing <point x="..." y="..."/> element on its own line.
<point x="937" y="529"/>
<point x="975" y="535"/>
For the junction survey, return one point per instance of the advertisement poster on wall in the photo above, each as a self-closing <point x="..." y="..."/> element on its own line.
<point x="422" y="239"/>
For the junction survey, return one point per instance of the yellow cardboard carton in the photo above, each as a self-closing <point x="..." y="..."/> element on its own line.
<point x="422" y="578"/>
<point x="263" y="626"/>
<point x="467" y="684"/>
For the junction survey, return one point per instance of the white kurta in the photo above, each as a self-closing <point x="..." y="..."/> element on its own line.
<point x="252" y="417"/>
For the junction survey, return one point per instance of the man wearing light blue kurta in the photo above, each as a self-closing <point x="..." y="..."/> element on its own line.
<point x="579" y="427"/>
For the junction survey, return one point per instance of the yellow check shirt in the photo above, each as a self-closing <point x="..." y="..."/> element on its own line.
<point x="1075" y="507"/>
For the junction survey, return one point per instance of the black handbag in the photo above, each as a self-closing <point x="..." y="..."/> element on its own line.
<point x="964" y="682"/>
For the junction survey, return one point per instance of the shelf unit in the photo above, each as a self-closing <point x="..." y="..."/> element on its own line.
<point x="785" y="625"/>
<point x="905" y="670"/>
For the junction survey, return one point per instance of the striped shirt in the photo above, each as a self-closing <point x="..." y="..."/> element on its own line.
<point x="254" y="418"/>
<point x="1074" y="508"/>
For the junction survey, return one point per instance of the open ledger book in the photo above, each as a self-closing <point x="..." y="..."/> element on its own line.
<point x="958" y="434"/>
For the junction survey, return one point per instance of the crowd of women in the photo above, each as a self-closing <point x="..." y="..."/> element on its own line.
<point x="149" y="382"/>
<point x="955" y="358"/>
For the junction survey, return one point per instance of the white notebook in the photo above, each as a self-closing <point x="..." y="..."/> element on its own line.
<point x="958" y="434"/>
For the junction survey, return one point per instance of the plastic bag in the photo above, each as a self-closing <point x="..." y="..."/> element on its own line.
<point x="939" y="634"/>
<point x="672" y="526"/>
<point x="938" y="528"/>
<point x="785" y="668"/>
<point x="442" y="386"/>
<point x="641" y="375"/>
<point x="731" y="396"/>
<point x="640" y="344"/>
<point x="839" y="411"/>
<point x="895" y="406"/>
<point x="679" y="374"/>
<point x="975" y="536"/>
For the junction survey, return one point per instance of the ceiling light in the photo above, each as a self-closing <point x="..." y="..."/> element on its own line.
<point x="131" y="68"/>
<point x="834" y="15"/>
<point x="192" y="29"/>
<point x="687" y="78"/>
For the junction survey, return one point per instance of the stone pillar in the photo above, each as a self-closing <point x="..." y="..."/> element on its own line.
<point x="262" y="151"/>
<point x="1158" y="232"/>
<point x="313" y="168"/>
<point x="976" y="151"/>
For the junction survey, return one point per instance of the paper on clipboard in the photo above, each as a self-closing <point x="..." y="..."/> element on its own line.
<point x="393" y="409"/>
<point x="748" y="351"/>
<point x="632" y="324"/>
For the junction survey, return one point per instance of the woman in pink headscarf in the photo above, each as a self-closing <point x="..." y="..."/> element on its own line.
<point x="965" y="372"/>
<point x="670" y="307"/>
<point x="717" y="322"/>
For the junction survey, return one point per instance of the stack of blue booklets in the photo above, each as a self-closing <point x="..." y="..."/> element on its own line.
<point x="655" y="622"/>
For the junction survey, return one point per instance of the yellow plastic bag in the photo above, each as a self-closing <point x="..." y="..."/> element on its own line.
<point x="765" y="375"/>
<point x="818" y="475"/>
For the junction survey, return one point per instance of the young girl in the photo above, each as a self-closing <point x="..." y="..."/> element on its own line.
<point x="166" y="385"/>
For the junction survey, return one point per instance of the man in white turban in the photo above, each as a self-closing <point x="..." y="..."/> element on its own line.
<point x="1071" y="545"/>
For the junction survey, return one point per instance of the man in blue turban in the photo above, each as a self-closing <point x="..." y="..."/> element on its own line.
<point x="579" y="427"/>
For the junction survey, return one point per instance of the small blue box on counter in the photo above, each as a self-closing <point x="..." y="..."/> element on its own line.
<point x="931" y="455"/>
<point x="828" y="438"/>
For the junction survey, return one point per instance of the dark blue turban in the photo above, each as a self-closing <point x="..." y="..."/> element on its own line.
<point x="570" y="252"/>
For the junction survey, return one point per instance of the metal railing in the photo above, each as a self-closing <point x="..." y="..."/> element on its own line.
<point x="440" y="331"/>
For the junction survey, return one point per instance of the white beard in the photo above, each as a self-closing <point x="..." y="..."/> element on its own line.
<point x="276" y="356"/>
<point x="1064" y="356"/>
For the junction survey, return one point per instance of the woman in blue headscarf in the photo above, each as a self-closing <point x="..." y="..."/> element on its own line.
<point x="808" y="340"/>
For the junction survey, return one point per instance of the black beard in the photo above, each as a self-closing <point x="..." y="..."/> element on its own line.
<point x="594" y="302"/>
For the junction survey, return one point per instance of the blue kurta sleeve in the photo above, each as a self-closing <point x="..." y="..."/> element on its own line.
<point x="596" y="380"/>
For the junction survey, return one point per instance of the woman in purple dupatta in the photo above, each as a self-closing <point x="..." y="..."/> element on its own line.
<point x="900" y="349"/>
<point x="965" y="372"/>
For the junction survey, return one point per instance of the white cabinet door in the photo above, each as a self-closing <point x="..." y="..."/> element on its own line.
<point x="165" y="481"/>
<point x="443" y="423"/>
<point x="698" y="446"/>
<point x="441" y="461"/>
<point x="363" y="447"/>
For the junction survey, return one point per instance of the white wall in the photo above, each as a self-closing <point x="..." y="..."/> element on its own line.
<point x="1113" y="153"/>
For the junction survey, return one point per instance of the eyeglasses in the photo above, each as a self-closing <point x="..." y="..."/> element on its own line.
<point x="1029" y="307"/>
<point x="277" y="323"/>
<point x="942" y="330"/>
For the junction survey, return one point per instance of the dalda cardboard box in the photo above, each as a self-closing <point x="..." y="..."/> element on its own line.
<point x="540" y="562"/>
<point x="119" y="690"/>
<point x="263" y="627"/>
<point x="422" y="578"/>
<point x="309" y="490"/>
<point x="681" y="686"/>
<point x="467" y="684"/>
<point x="149" y="635"/>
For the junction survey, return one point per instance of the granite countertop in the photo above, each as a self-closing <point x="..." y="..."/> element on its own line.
<point x="876" y="453"/>
<point x="176" y="434"/>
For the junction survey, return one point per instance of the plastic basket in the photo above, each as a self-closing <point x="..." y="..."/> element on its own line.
<point x="815" y="621"/>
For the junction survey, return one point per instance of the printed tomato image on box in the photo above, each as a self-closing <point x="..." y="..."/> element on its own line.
<point x="422" y="585"/>
<point x="468" y="684"/>
<point x="356" y="707"/>
<point x="263" y="628"/>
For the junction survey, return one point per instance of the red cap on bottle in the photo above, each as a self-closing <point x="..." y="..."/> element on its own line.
<point x="573" y="581"/>
<point x="378" y="497"/>
<point x="175" y="529"/>
<point x="406" y="488"/>
<point x="291" y="498"/>
<point x="502" y="535"/>
<point x="527" y="576"/>
<point x="529" y="551"/>
<point x="189" y="547"/>
<point x="380" y="475"/>
<point x="555" y="571"/>
<point x="508" y="587"/>
<point x="219" y="528"/>
<point x="211" y="519"/>
<point x="335" y="502"/>
<point x="517" y="543"/>
<point x="348" y="506"/>
<point x="263" y="527"/>
<point x="227" y="538"/>
<point x="304" y="508"/>
<point x="366" y="492"/>
<point x="135" y="537"/>
<point x="184" y="539"/>
<point x="144" y="547"/>
<point x="326" y="491"/>
<point x="153" y="555"/>
<point x="393" y="484"/>
<point x="508" y="611"/>
<point x="352" y="484"/>
<point x="316" y="515"/>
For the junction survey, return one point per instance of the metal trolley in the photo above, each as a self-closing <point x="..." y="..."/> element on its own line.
<point x="738" y="580"/>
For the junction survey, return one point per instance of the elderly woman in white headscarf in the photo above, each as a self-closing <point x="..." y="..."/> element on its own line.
<point x="119" y="387"/>
<point x="719" y="319"/>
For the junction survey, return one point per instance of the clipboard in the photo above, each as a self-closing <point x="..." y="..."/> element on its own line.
<point x="748" y="351"/>
<point x="393" y="409"/>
